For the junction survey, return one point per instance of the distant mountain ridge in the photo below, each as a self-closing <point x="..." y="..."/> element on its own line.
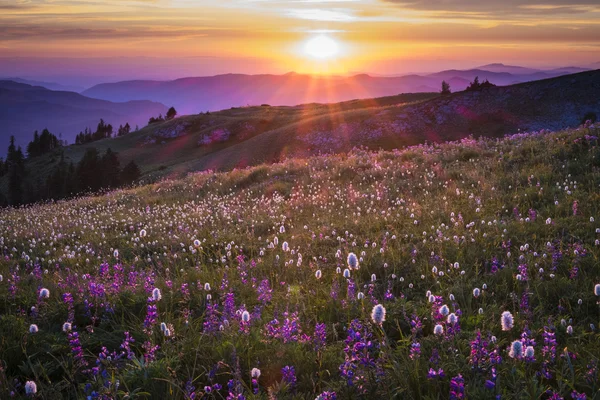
<point x="239" y="137"/>
<point x="212" y="93"/>
<point x="47" y="85"/>
<point x="25" y="108"/>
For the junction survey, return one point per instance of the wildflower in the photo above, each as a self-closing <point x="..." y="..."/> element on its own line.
<point x="438" y="329"/>
<point x="163" y="327"/>
<point x="255" y="373"/>
<point x="33" y="328"/>
<point x="116" y="253"/>
<point x="378" y="314"/>
<point x="516" y="349"/>
<point x="196" y="243"/>
<point x="245" y="316"/>
<point x="320" y="335"/>
<point x="415" y="350"/>
<point x="452" y="319"/>
<point x="444" y="310"/>
<point x="347" y="273"/>
<point x="44" y="293"/>
<point x="30" y="388"/>
<point x="318" y="274"/>
<point x="143" y="233"/>
<point x="597" y="289"/>
<point x="570" y="330"/>
<point x="457" y="388"/>
<point x="327" y="396"/>
<point x="289" y="375"/>
<point x="352" y="261"/>
<point x="529" y="352"/>
<point x="507" y="321"/>
<point x="285" y="246"/>
<point x="66" y="327"/>
<point x="476" y="292"/>
<point x="360" y="296"/>
<point x="156" y="295"/>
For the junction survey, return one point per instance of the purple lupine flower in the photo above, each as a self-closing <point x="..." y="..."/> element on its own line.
<point x="149" y="351"/>
<point x="265" y="293"/>
<point x="229" y="306"/>
<point x="151" y="316"/>
<point x="548" y="352"/>
<point x="578" y="396"/>
<point x="190" y="390"/>
<point x="126" y="346"/>
<point x="433" y="374"/>
<point x="68" y="300"/>
<point x="320" y="336"/>
<point x="211" y="320"/>
<point x="289" y="375"/>
<point x="362" y="359"/>
<point x="415" y="350"/>
<point x="327" y="396"/>
<point x="76" y="349"/>
<point x="591" y="374"/>
<point x="479" y="353"/>
<point x="457" y="388"/>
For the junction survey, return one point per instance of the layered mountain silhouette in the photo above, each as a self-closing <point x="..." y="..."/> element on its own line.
<point x="198" y="94"/>
<point x="239" y="137"/>
<point x="25" y="108"/>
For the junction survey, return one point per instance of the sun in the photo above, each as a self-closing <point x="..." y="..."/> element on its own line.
<point x="321" y="46"/>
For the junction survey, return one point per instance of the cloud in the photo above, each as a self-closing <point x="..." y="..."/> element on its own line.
<point x="502" y="7"/>
<point x="30" y="31"/>
<point x="318" y="14"/>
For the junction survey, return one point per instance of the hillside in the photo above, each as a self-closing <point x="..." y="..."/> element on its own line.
<point x="199" y="94"/>
<point x="251" y="135"/>
<point x="25" y="108"/>
<point x="468" y="268"/>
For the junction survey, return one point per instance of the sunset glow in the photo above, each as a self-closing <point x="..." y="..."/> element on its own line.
<point x="162" y="38"/>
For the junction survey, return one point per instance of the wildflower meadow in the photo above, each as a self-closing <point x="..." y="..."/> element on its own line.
<point x="450" y="271"/>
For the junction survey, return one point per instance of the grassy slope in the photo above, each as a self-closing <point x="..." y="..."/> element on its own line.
<point x="270" y="134"/>
<point x="179" y="155"/>
<point x="429" y="206"/>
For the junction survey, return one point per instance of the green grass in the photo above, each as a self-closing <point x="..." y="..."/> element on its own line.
<point x="426" y="206"/>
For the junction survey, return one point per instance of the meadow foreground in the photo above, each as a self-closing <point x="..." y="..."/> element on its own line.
<point x="459" y="270"/>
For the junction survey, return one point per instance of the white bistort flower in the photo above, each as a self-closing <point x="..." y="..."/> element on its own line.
<point x="378" y="314"/>
<point x="30" y="388"/>
<point x="507" y="321"/>
<point x="245" y="316"/>
<point x="66" y="327"/>
<point x="516" y="349"/>
<point x="352" y="261"/>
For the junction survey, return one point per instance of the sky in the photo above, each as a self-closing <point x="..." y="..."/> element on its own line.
<point x="83" y="41"/>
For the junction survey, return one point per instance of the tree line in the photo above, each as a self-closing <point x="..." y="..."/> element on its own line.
<point x="473" y="86"/>
<point x="103" y="131"/>
<point x="94" y="172"/>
